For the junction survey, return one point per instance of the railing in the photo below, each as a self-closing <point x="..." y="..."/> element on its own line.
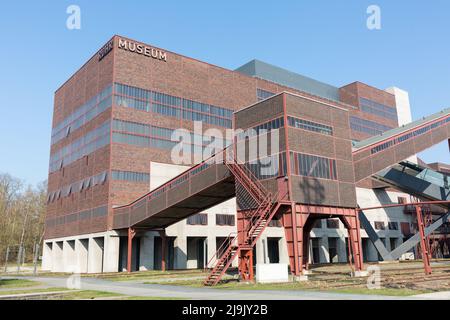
<point x="174" y="182"/>
<point x="232" y="237"/>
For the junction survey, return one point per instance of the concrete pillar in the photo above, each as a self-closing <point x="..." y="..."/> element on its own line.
<point x="57" y="257"/>
<point x="81" y="250"/>
<point x="69" y="257"/>
<point x="180" y="253"/>
<point x="323" y="250"/>
<point x="146" y="253"/>
<point x="342" y="248"/>
<point x="95" y="255"/>
<point x="282" y="245"/>
<point x="261" y="250"/>
<point x="212" y="249"/>
<point x="111" y="253"/>
<point x="47" y="256"/>
<point x="372" y="253"/>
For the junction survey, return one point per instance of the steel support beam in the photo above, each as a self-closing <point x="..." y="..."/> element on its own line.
<point x="423" y="245"/>
<point x="163" y="236"/>
<point x="131" y="234"/>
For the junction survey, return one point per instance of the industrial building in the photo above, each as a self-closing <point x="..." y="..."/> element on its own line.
<point x="118" y="202"/>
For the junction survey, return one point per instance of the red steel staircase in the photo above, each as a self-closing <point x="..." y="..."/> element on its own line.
<point x="265" y="208"/>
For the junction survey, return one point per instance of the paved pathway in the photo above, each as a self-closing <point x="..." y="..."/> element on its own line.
<point x="170" y="291"/>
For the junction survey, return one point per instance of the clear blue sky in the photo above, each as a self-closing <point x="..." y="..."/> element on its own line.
<point x="326" y="40"/>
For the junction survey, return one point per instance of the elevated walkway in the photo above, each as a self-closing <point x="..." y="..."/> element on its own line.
<point x="197" y="189"/>
<point x="394" y="146"/>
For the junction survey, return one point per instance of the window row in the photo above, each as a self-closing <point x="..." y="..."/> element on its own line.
<point x="130" y="176"/>
<point x="201" y="219"/>
<point x="90" y="142"/>
<point x="310" y="126"/>
<point x="78" y="186"/>
<point x="378" y="109"/>
<point x="313" y="166"/>
<point x="262" y="128"/>
<point x="263" y="94"/>
<point x="78" y="216"/>
<point x="268" y="167"/>
<point x="366" y="126"/>
<point x="165" y="133"/>
<point x="168" y="105"/>
<point x="380" y="225"/>
<point x="83" y="115"/>
<point x="410" y="135"/>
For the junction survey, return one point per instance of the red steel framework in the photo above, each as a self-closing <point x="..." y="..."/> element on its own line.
<point x="419" y="210"/>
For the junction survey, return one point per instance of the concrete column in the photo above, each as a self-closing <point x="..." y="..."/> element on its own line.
<point x="69" y="257"/>
<point x="95" y="254"/>
<point x="282" y="245"/>
<point x="372" y="253"/>
<point x="111" y="253"/>
<point x="47" y="256"/>
<point x="147" y="252"/>
<point x="342" y="249"/>
<point x="81" y="250"/>
<point x="323" y="250"/>
<point x="180" y="252"/>
<point x="261" y="250"/>
<point x="57" y="257"/>
<point x="212" y="249"/>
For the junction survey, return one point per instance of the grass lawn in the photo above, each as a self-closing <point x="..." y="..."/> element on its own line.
<point x="401" y="292"/>
<point x="150" y="275"/>
<point x="17" y="283"/>
<point x="304" y="286"/>
<point x="7" y="293"/>
<point x="153" y="298"/>
<point x="89" y="294"/>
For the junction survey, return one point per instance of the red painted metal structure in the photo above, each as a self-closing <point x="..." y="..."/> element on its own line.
<point x="424" y="246"/>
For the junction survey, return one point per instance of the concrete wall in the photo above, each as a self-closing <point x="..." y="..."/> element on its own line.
<point x="90" y="253"/>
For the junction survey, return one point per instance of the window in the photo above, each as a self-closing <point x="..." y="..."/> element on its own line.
<point x="378" y="109"/>
<point x="131" y="176"/>
<point x="200" y="219"/>
<point x="402" y="200"/>
<point x="262" y="128"/>
<point x="310" y="126"/>
<point x="132" y="127"/>
<point x="87" y="144"/>
<point x="411" y="135"/>
<point x="263" y="94"/>
<point x="157" y="102"/>
<point x="275" y="223"/>
<point x="225" y="220"/>
<point x="393" y="225"/>
<point x="379" y="225"/>
<point x="82" y="115"/>
<point x="332" y="223"/>
<point x="268" y="167"/>
<point x="313" y="166"/>
<point x="368" y="127"/>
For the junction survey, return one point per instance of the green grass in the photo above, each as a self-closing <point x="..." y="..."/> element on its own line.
<point x="403" y="292"/>
<point x="150" y="275"/>
<point x="17" y="283"/>
<point x="304" y="286"/>
<point x="89" y="294"/>
<point x="7" y="293"/>
<point x="153" y="298"/>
